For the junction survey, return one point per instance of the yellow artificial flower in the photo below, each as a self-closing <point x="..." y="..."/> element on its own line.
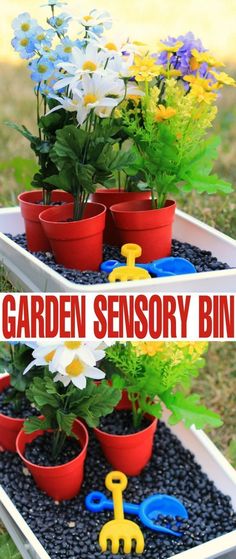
<point x="202" y="82"/>
<point x="171" y="73"/>
<point x="175" y="351"/>
<point x="200" y="57"/>
<point x="164" y="113"/>
<point x="172" y="48"/>
<point x="223" y="78"/>
<point x="202" y="95"/>
<point x="144" y="68"/>
<point x="148" y="348"/>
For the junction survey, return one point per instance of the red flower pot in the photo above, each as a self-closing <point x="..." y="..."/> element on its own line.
<point x="128" y="453"/>
<point x="36" y="239"/>
<point x="75" y="244"/>
<point x="124" y="403"/>
<point x="112" y="196"/>
<point x="151" y="229"/>
<point x="9" y="426"/>
<point x="59" y="482"/>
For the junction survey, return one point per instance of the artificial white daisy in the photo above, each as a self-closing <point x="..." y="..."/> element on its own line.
<point x="96" y="18"/>
<point x="76" y="372"/>
<point x="87" y="61"/>
<point x="67" y="103"/>
<point x="66" y="352"/>
<point x="101" y="94"/>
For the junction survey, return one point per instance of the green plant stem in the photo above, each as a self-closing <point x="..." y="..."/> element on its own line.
<point x="59" y="438"/>
<point x="46" y="197"/>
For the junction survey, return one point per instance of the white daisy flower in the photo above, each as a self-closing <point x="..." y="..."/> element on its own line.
<point x="101" y="94"/>
<point x="66" y="352"/>
<point x="95" y="18"/>
<point x="67" y="103"/>
<point x="87" y="61"/>
<point x="76" y="372"/>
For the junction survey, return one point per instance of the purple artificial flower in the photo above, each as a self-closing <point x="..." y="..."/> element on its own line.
<point x="181" y="59"/>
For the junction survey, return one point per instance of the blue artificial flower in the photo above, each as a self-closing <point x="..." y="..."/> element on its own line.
<point x="43" y="38"/>
<point x="64" y="49"/>
<point x="59" y="23"/>
<point x="97" y="30"/>
<point x="24" y="24"/>
<point x="24" y="45"/>
<point x="54" y="3"/>
<point x="180" y="60"/>
<point x="42" y="68"/>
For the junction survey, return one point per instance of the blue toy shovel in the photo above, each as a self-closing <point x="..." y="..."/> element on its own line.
<point x="148" y="511"/>
<point x="164" y="267"/>
<point x="171" y="266"/>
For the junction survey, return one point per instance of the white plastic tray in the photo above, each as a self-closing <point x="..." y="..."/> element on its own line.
<point x="29" y="274"/>
<point x="207" y="455"/>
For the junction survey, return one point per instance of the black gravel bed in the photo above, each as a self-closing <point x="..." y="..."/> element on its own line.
<point x="21" y="411"/>
<point x="39" y="451"/>
<point x="68" y="531"/>
<point x="203" y="260"/>
<point x="119" y="422"/>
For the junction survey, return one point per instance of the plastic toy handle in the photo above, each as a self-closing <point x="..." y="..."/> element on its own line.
<point x="97" y="502"/>
<point x="116" y="482"/>
<point x="131" y="251"/>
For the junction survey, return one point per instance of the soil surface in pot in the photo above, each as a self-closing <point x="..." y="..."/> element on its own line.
<point x="120" y="422"/>
<point x="203" y="260"/>
<point x="39" y="451"/>
<point x="68" y="531"/>
<point x="40" y="203"/>
<point x="25" y="409"/>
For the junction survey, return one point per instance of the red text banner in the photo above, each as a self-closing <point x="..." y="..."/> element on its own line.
<point x="117" y="316"/>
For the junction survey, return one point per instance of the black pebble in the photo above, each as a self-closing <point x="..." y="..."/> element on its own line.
<point x="201" y="259"/>
<point x="212" y="515"/>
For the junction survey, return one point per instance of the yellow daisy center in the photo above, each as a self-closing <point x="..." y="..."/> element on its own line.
<point x="24" y="42"/>
<point x="40" y="37"/>
<point x="111" y="46"/>
<point x="49" y="356"/>
<point x="87" y="18"/>
<point x="89" y="99"/>
<point x="25" y="27"/>
<point x="59" y="21"/>
<point x="89" y="65"/>
<point x="75" y="368"/>
<point x="68" y="49"/>
<point x="42" y="68"/>
<point x="72" y="345"/>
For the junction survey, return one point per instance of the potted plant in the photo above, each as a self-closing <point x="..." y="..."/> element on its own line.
<point x="151" y="374"/>
<point x="54" y="446"/>
<point x="14" y="406"/>
<point x="168" y="126"/>
<point x="35" y="44"/>
<point x="80" y="83"/>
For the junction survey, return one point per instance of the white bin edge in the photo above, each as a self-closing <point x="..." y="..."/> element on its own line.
<point x="30" y="274"/>
<point x="214" y="465"/>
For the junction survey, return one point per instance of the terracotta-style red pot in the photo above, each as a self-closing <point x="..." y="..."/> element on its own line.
<point x="9" y="426"/>
<point x="128" y="453"/>
<point x="112" y="196"/>
<point x="75" y="244"/>
<point x="138" y="223"/>
<point x="59" y="482"/>
<point x="36" y="239"/>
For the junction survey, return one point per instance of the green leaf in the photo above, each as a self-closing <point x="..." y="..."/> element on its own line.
<point x="69" y="145"/>
<point x="8" y="550"/>
<point x="153" y="409"/>
<point x="65" y="421"/>
<point x="188" y="409"/>
<point x="41" y="397"/>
